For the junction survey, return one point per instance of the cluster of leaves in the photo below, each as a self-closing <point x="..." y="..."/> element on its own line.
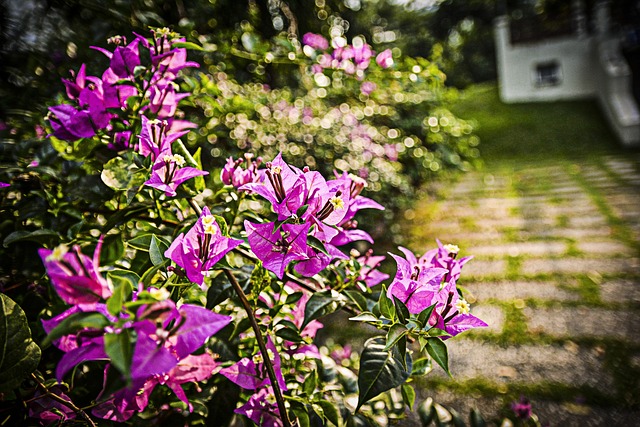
<point x="203" y="295"/>
<point x="387" y="124"/>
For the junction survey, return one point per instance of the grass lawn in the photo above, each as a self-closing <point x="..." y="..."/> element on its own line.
<point x="535" y="131"/>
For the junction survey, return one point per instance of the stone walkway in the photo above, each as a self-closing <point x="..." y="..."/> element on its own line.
<point x="556" y="274"/>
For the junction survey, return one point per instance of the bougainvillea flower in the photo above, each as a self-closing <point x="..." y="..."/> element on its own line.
<point x="445" y="256"/>
<point x="366" y="88"/>
<point x="250" y="373"/>
<point x="75" y="276"/>
<point x="124" y="59"/>
<point x="282" y="185"/>
<point x="75" y="85"/>
<point x="163" y="99"/>
<point x="316" y="41"/>
<point x="278" y="248"/>
<point x="452" y="313"/>
<point x="48" y="410"/>
<point x="385" y="59"/>
<point x="262" y="409"/>
<point x="169" y="172"/>
<point x="369" y="274"/>
<point x="416" y="286"/>
<point x="89" y="348"/>
<point x="193" y="368"/>
<point x="156" y="136"/>
<point x="69" y="124"/>
<point x="233" y="174"/>
<point x="201" y="248"/>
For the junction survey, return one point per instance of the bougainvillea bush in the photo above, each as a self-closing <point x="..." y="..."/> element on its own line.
<point x="176" y="294"/>
<point x="378" y="116"/>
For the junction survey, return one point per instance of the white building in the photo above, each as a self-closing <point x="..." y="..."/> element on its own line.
<point x="578" y="64"/>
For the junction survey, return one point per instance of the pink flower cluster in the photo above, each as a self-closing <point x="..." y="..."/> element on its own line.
<point x="96" y="100"/>
<point x="431" y="281"/>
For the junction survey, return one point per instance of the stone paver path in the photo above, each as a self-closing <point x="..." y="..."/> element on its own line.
<point x="556" y="274"/>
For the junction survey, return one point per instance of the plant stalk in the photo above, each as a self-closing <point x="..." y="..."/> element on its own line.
<point x="263" y="348"/>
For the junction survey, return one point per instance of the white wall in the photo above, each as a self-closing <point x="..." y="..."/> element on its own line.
<point x="517" y="67"/>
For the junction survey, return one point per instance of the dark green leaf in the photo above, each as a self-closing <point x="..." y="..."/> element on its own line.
<point x="423" y="317"/>
<point x="124" y="282"/>
<point x="387" y="309"/>
<point x="365" y="317"/>
<point x="422" y="366"/>
<point x="395" y="334"/>
<point x="300" y="414"/>
<point x="289" y="334"/>
<point x="380" y="370"/>
<point x="156" y="251"/>
<point x="408" y="395"/>
<point x="119" y="348"/>
<point x="358" y="299"/>
<point x="330" y="412"/>
<point x="40" y="236"/>
<point x="320" y="304"/>
<point x="438" y="352"/>
<point x="427" y="412"/>
<point x="401" y="310"/>
<point x="293" y="298"/>
<point x="309" y="384"/>
<point x="476" y="419"/>
<point x="76" y="322"/>
<point x="143" y="241"/>
<point x="19" y="355"/>
<point x="186" y="45"/>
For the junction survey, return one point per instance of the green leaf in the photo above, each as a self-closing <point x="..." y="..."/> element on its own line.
<point x="401" y="310"/>
<point x="387" y="309"/>
<point x="293" y="298"/>
<point x="143" y="241"/>
<point x="395" y="334"/>
<point x="76" y="322"/>
<point x="124" y="282"/>
<point x="121" y="173"/>
<point x="422" y="366"/>
<point x="427" y="412"/>
<point x="40" y="236"/>
<point x="408" y="395"/>
<point x="380" y="370"/>
<point x="476" y="419"/>
<point x="423" y="317"/>
<point x="438" y="352"/>
<point x="19" y="354"/>
<point x="330" y="412"/>
<point x="289" y="334"/>
<point x="320" y="304"/>
<point x="120" y="349"/>
<point x="186" y="45"/>
<point x="309" y="384"/>
<point x="358" y="299"/>
<point x="365" y="317"/>
<point x="156" y="251"/>
<point x="300" y="414"/>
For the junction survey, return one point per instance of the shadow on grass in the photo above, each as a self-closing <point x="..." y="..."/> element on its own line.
<point x="536" y="131"/>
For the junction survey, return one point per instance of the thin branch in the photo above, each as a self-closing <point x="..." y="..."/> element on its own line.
<point x="262" y="346"/>
<point x="63" y="401"/>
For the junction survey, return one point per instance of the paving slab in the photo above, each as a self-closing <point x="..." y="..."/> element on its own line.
<point x="585" y="322"/>
<point x="510" y="290"/>
<point x="621" y="291"/>
<point x="569" y="365"/>
<point x="579" y="265"/>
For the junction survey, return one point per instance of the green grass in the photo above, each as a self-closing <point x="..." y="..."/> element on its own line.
<point x="535" y="131"/>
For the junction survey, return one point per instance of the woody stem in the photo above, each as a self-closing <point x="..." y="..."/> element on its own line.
<point x="262" y="346"/>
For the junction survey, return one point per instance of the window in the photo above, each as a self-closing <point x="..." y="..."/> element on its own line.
<point x="548" y="74"/>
